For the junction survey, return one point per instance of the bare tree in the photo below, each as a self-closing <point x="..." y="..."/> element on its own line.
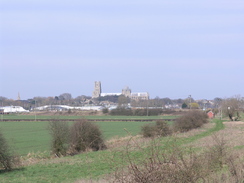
<point x="123" y="101"/>
<point x="231" y="107"/>
<point x="65" y="96"/>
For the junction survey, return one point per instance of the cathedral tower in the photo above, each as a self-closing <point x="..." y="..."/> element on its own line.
<point x="126" y="92"/>
<point x="97" y="90"/>
<point x="18" y="98"/>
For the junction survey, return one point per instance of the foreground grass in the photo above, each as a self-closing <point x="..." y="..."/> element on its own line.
<point x="88" y="165"/>
<point x="67" y="169"/>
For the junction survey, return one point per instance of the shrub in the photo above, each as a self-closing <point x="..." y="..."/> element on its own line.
<point x="86" y="135"/>
<point x="184" y="106"/>
<point x="136" y="112"/>
<point x="161" y="129"/>
<point x="217" y="155"/>
<point x="121" y="111"/>
<point x="155" y="112"/>
<point x="145" y="112"/>
<point x="69" y="111"/>
<point x="7" y="160"/>
<point x="148" y="130"/>
<point x="59" y="131"/>
<point x="190" y="120"/>
<point x="105" y="110"/>
<point x="140" y="112"/>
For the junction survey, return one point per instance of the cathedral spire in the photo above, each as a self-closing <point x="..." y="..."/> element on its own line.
<point x="18" y="98"/>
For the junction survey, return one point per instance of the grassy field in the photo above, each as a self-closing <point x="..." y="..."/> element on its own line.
<point x="21" y="116"/>
<point x="87" y="165"/>
<point x="28" y="137"/>
<point x="33" y="137"/>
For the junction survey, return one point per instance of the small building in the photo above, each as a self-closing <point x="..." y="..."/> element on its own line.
<point x="210" y="114"/>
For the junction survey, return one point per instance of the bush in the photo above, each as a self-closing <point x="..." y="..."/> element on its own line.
<point x="86" y="135"/>
<point x="7" y="160"/>
<point x="59" y="131"/>
<point x="140" y="112"/>
<point x="105" y="110"/>
<point x="121" y="111"/>
<point x="184" y="106"/>
<point x="148" y="130"/>
<point x="161" y="129"/>
<point x="190" y="120"/>
<point x="145" y="112"/>
<point x="154" y="112"/>
<point x="136" y="112"/>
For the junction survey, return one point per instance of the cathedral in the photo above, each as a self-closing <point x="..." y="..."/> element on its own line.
<point x="126" y="92"/>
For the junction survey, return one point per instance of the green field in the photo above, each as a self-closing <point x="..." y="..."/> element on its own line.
<point x="28" y="137"/>
<point x="21" y="116"/>
<point x="33" y="136"/>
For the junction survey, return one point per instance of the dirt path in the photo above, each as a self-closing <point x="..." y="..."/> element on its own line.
<point x="232" y="134"/>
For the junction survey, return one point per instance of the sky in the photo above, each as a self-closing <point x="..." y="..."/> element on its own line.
<point x="167" y="48"/>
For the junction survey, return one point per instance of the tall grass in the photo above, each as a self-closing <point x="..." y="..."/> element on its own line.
<point x="180" y="164"/>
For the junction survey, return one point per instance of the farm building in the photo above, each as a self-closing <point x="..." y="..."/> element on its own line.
<point x="210" y="114"/>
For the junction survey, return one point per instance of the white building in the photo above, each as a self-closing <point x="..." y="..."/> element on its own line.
<point x="66" y="107"/>
<point x="13" y="109"/>
<point x="110" y="94"/>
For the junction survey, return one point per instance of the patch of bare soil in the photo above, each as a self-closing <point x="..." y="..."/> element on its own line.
<point x="233" y="135"/>
<point x="234" y="123"/>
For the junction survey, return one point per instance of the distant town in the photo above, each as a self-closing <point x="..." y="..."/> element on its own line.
<point x="99" y="101"/>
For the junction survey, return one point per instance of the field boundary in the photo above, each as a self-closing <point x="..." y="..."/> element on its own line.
<point x="92" y="120"/>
